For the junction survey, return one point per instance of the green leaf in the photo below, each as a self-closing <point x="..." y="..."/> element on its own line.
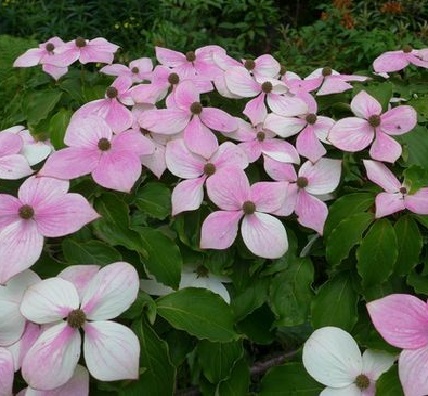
<point x="335" y="304"/>
<point x="291" y="293"/>
<point x="347" y="234"/>
<point x="416" y="147"/>
<point x="163" y="258"/>
<point x="377" y="253"/>
<point x="290" y="379"/>
<point x="415" y="177"/>
<point x="199" y="312"/>
<point x="423" y="220"/>
<point x="389" y="383"/>
<point x="92" y="252"/>
<point x="409" y="243"/>
<point x="57" y="127"/>
<point x="251" y="298"/>
<point x="38" y="104"/>
<point x="239" y="381"/>
<point x="154" y="199"/>
<point x="258" y="326"/>
<point x="217" y="359"/>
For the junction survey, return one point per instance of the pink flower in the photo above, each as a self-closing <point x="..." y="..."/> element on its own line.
<point x="264" y="66"/>
<point x="138" y="71"/>
<point x="397" y="60"/>
<point x="396" y="196"/>
<point x="263" y="234"/>
<point x="189" y="194"/>
<point x="111" y="350"/>
<point x="356" y="133"/>
<point x="402" y="320"/>
<point x="13" y="164"/>
<point x="6" y="372"/>
<point x="43" y="208"/>
<point x="113" y="161"/>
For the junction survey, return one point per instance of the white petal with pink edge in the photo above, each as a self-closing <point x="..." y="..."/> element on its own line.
<point x="79" y="276"/>
<point x="351" y="134"/>
<point x="381" y="175"/>
<point x="375" y="363"/>
<point x="6" y="372"/>
<point x="412" y="369"/>
<point x="182" y="162"/>
<point x="187" y="195"/>
<point x="323" y="176"/>
<point x="219" y="229"/>
<point x="363" y="105"/>
<point x="311" y="211"/>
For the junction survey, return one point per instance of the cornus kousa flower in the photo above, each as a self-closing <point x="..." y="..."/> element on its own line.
<point x="111" y="350"/>
<point x="332" y="357"/>
<point x="43" y="209"/>
<point x="397" y="60"/>
<point x="6" y="372"/>
<point x="402" y="320"/>
<point x="13" y="165"/>
<point x="195" y="120"/>
<point x="189" y="194"/>
<point x="263" y="234"/>
<point x="356" y="133"/>
<point x="138" y="71"/>
<point x="397" y="195"/>
<point x="113" y="161"/>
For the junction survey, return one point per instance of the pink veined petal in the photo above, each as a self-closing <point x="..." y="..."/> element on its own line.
<point x="122" y="84"/>
<point x="219" y="229"/>
<point x="156" y="161"/>
<point x="182" y="162"/>
<point x="253" y="150"/>
<point x="6" y="372"/>
<point x="118" y="170"/>
<point x="378" y="173"/>
<point x="199" y="139"/>
<point x="387" y="203"/>
<point x="279" y="171"/>
<point x="385" y="148"/>
<point x="9" y="207"/>
<point x="333" y="85"/>
<point x="264" y="235"/>
<point x="94" y="55"/>
<point x="289" y="203"/>
<point x="36" y="152"/>
<point x="134" y="142"/>
<point x="112" y="351"/>
<point x="332" y="357"/>
<point x="280" y="150"/>
<point x="166" y="121"/>
<point x="284" y="126"/>
<point x="399" y="120"/>
<point x="401" y="319"/>
<point x="49" y="300"/>
<point x="412" y="369"/>
<point x="169" y="57"/>
<point x="187" y="195"/>
<point x="308" y="145"/>
<point x="111" y="291"/>
<point x="229" y="188"/>
<point x="266" y="66"/>
<point x="14" y="166"/>
<point x="364" y="105"/>
<point x="28" y="338"/>
<point x="118" y="117"/>
<point x="51" y="361"/>
<point x="54" y="71"/>
<point x="322" y="127"/>
<point x="390" y="61"/>
<point x="417" y="202"/>
<point x="229" y="154"/>
<point x="323" y="176"/>
<point x="286" y="105"/>
<point x="29" y="58"/>
<point x="79" y="276"/>
<point x="375" y="363"/>
<point x="256" y="110"/>
<point x="10" y="143"/>
<point x="86" y="131"/>
<point x="311" y="211"/>
<point x="351" y="134"/>
<point x="71" y="163"/>
<point x="268" y="196"/>
<point x="240" y="82"/>
<point x="115" y="70"/>
<point x="20" y="247"/>
<point x="186" y="94"/>
<point x="218" y="120"/>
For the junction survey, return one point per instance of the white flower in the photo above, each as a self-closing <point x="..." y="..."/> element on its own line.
<point x="332" y="357"/>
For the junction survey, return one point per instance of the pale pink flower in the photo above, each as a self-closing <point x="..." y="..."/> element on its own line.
<point x="189" y="194"/>
<point x="332" y="357"/>
<point x="112" y="160"/>
<point x="111" y="350"/>
<point x="402" y="320"/>
<point x="356" y="133"/>
<point x="195" y="120"/>
<point x="396" y="196"/>
<point x="263" y="234"/>
<point x="391" y="61"/>
<point x="264" y="66"/>
<point x="139" y="70"/>
<point x="43" y="209"/>
<point x="13" y="164"/>
<point x="6" y="372"/>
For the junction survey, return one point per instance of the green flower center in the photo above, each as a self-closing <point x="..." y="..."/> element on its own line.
<point x="250" y="64"/>
<point x="209" y="169"/>
<point x="267" y="87"/>
<point x="374" y="121"/>
<point x="80" y="42"/>
<point x="104" y="144"/>
<point x="76" y="318"/>
<point x="111" y="92"/>
<point x="249" y="207"/>
<point x="190" y="56"/>
<point x="362" y="382"/>
<point x="302" y="182"/>
<point x="196" y="108"/>
<point x="311" y="119"/>
<point x="26" y="212"/>
<point x="327" y="71"/>
<point x="173" y="79"/>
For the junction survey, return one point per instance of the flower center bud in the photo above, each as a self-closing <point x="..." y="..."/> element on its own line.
<point x="104" y="144"/>
<point x="403" y="190"/>
<point x="261" y="136"/>
<point x="201" y="271"/>
<point x="76" y="318"/>
<point x="80" y="42"/>
<point x="111" y="92"/>
<point x="302" y="182"/>
<point x="135" y="70"/>
<point x="173" y="79"/>
<point x="407" y="49"/>
<point x="327" y="71"/>
<point x="311" y="118"/>
<point x="196" y="108"/>
<point x="190" y="56"/>
<point x="267" y="87"/>
<point x="362" y="382"/>
<point x="374" y="121"/>
<point x="209" y="169"/>
<point x="249" y="207"/>
<point x="250" y="64"/>
<point x="26" y="212"/>
<point x="50" y="47"/>
<point x="145" y="132"/>
<point x="283" y="70"/>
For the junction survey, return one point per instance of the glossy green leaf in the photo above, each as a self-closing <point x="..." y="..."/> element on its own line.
<point x="57" y="127"/>
<point x="91" y="252"/>
<point x="389" y="383"/>
<point x="416" y="147"/>
<point x="239" y="381"/>
<point x="39" y="103"/>
<point x="154" y="199"/>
